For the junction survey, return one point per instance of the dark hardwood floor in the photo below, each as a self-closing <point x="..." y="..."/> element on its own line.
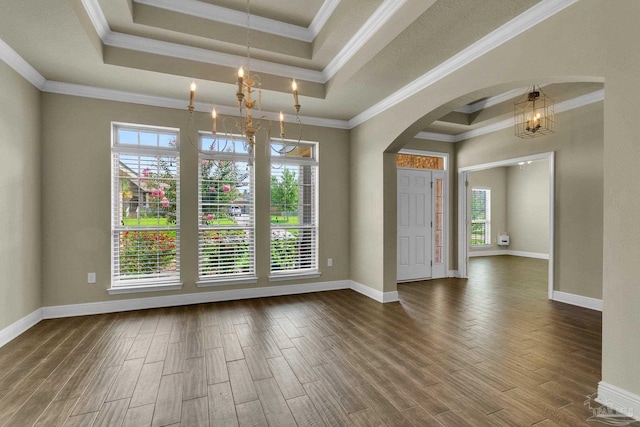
<point x="490" y="351"/>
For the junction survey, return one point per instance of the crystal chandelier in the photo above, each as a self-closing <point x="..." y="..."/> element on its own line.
<point x="534" y="114"/>
<point x="250" y="108"/>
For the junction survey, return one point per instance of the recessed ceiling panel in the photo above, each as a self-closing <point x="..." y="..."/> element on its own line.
<point x="296" y="12"/>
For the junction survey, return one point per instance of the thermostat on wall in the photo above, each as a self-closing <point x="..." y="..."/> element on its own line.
<point x="503" y="239"/>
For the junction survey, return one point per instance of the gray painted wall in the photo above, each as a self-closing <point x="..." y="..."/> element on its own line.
<point x="20" y="231"/>
<point x="77" y="160"/>
<point x="528" y="207"/>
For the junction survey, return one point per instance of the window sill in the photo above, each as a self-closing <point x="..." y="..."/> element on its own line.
<point x="131" y="289"/>
<point x="481" y="246"/>
<point x="226" y="281"/>
<point x="294" y="276"/>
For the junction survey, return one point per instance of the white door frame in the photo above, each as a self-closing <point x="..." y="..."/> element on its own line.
<point x="447" y="169"/>
<point x="463" y="230"/>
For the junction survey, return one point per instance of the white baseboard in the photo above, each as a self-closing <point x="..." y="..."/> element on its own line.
<point x="579" y="300"/>
<point x="509" y="252"/>
<point x="19" y="326"/>
<point x="453" y="273"/>
<point x="187" y="299"/>
<point x="375" y="294"/>
<point x="529" y="254"/>
<point x="58" y="311"/>
<point x="622" y="401"/>
<point x="486" y="253"/>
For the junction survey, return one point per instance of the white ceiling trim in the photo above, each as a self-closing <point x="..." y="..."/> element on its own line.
<point x="374" y="23"/>
<point x="22" y="67"/>
<point x="526" y="20"/>
<point x="179" y="104"/>
<point x="142" y="44"/>
<point x="97" y="18"/>
<point x="490" y="102"/>
<point x="323" y="15"/>
<point x="174" y="50"/>
<point x="434" y="136"/>
<point x="234" y="17"/>
<point x="570" y="104"/>
<point x="382" y="14"/>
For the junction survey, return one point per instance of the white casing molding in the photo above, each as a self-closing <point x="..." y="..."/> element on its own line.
<point x="622" y="401"/>
<point x="509" y="252"/>
<point x="375" y="294"/>
<point x="578" y="300"/>
<point x="20" y="326"/>
<point x="463" y="233"/>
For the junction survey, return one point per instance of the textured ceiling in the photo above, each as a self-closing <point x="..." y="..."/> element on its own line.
<point x="347" y="55"/>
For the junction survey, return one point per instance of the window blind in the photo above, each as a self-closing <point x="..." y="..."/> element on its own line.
<point x="226" y="234"/>
<point x="145" y="199"/>
<point x="294" y="204"/>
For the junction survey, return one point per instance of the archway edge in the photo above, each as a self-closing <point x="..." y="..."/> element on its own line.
<point x="429" y="117"/>
<point x="507" y="66"/>
<point x="589" y="38"/>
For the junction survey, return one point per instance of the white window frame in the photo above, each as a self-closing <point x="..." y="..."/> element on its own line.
<point x="278" y="161"/>
<point x="486" y="221"/>
<point x="121" y="283"/>
<point x="221" y="154"/>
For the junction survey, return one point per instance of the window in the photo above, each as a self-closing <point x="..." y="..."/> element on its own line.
<point x="438" y="224"/>
<point x="226" y="211"/>
<point x="294" y="219"/>
<point x="420" y="162"/>
<point x="145" y="219"/>
<point x="480" y="217"/>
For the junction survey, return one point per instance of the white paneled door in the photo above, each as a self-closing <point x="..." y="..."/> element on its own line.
<point x="414" y="224"/>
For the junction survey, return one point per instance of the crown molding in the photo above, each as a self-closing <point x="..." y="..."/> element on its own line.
<point x="580" y="101"/>
<point x="224" y="15"/>
<point x="62" y="88"/>
<point x="141" y="44"/>
<point x="382" y="14"/>
<point x="22" y="67"/>
<point x="490" y="102"/>
<point x="97" y="18"/>
<point x="323" y="15"/>
<point x="521" y="23"/>
<point x="174" y="50"/>
<point x="434" y="136"/>
<point x="569" y="104"/>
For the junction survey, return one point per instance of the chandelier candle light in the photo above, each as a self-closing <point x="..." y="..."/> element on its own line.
<point x="246" y="86"/>
<point x="534" y="114"/>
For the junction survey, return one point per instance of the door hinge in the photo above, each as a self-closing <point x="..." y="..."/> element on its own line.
<point x="431" y="263"/>
<point x="431" y="184"/>
<point x="466" y="183"/>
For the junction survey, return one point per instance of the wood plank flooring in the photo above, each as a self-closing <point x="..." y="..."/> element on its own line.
<point x="490" y="351"/>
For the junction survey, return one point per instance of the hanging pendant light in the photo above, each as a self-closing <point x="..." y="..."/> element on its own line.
<point x="534" y="114"/>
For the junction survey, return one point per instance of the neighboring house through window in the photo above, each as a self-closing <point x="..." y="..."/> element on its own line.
<point x="145" y="219"/>
<point x="294" y="204"/>
<point x="480" y="217"/>
<point x="226" y="212"/>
